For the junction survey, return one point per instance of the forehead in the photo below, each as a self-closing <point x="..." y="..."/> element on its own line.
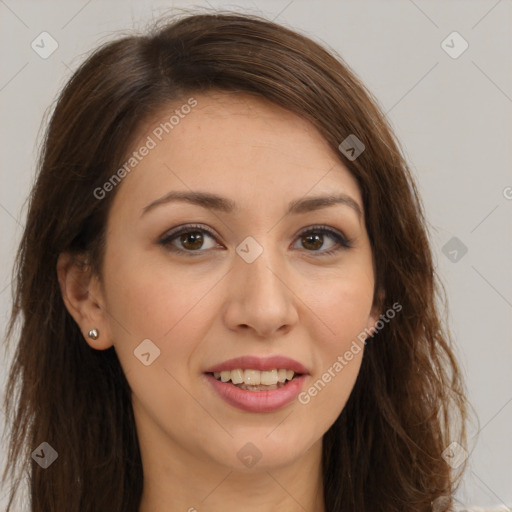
<point x="236" y="145"/>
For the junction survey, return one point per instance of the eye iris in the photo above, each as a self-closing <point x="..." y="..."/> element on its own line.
<point x="194" y="240"/>
<point x="317" y="240"/>
<point x="195" y="236"/>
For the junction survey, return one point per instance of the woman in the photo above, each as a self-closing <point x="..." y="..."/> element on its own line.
<point x="225" y="289"/>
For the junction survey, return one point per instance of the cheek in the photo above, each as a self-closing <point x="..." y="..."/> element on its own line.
<point x="326" y="393"/>
<point x="341" y="306"/>
<point x="172" y="310"/>
<point x="152" y="301"/>
<point x="147" y="302"/>
<point x="341" y="310"/>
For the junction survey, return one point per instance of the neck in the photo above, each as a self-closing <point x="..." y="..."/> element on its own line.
<point x="175" y="479"/>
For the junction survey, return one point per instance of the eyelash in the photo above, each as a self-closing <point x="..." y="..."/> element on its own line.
<point x="341" y="240"/>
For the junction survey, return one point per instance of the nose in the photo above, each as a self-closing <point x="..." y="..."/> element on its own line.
<point x="261" y="297"/>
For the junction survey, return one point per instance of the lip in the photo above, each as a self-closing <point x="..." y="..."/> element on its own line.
<point x="257" y="401"/>
<point x="259" y="363"/>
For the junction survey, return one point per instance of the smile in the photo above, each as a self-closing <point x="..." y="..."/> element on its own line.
<point x="257" y="384"/>
<point x="256" y="380"/>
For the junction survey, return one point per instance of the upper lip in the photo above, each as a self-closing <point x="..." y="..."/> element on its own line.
<point x="259" y="363"/>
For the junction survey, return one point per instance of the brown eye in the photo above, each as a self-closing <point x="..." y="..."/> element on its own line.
<point x="189" y="240"/>
<point x="312" y="241"/>
<point x="192" y="240"/>
<point x="314" y="238"/>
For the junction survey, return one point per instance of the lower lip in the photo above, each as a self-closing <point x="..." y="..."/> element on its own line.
<point x="258" y="401"/>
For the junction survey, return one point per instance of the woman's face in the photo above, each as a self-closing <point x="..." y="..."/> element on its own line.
<point x="251" y="277"/>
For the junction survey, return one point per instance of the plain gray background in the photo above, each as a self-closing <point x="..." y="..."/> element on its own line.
<point x="452" y="116"/>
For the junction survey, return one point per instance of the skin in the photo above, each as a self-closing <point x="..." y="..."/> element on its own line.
<point x="200" y="311"/>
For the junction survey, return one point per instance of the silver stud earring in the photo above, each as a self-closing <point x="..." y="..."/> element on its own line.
<point x="93" y="334"/>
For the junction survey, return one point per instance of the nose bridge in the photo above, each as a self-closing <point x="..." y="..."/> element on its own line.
<point x="265" y="302"/>
<point x="260" y="266"/>
<point x="261" y="274"/>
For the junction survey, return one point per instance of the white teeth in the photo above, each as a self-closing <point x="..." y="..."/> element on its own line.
<point x="252" y="377"/>
<point x="281" y="375"/>
<point x="237" y="376"/>
<point x="255" y="377"/>
<point x="269" y="377"/>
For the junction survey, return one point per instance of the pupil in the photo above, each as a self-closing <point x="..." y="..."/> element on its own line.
<point x="316" y="238"/>
<point x="196" y="237"/>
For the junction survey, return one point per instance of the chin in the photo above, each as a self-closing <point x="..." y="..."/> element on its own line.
<point x="264" y="449"/>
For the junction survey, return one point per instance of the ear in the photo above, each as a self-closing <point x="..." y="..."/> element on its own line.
<point x="376" y="310"/>
<point x="83" y="297"/>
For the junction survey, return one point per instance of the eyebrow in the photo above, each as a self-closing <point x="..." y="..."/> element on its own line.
<point x="222" y="204"/>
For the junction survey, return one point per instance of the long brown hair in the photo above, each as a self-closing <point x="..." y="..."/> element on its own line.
<point x="384" y="451"/>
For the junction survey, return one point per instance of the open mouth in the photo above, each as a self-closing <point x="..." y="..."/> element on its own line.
<point x="256" y="380"/>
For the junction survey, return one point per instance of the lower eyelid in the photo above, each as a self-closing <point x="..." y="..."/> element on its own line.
<point x="340" y="240"/>
<point x="168" y="239"/>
